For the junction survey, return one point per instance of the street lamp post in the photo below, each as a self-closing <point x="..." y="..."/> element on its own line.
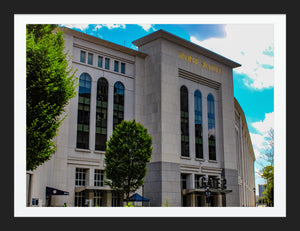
<point x="207" y="195"/>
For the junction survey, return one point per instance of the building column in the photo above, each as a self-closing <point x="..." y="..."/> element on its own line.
<point x="193" y="200"/>
<point x="219" y="196"/>
<point x="90" y="197"/>
<point x="107" y="199"/>
<point x="29" y="188"/>
<point x="93" y="114"/>
<point x="90" y="179"/>
<point x="110" y="109"/>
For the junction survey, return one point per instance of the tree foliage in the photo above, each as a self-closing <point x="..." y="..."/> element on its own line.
<point x="268" y="170"/>
<point x="269" y="148"/>
<point x="128" y="151"/>
<point x="49" y="87"/>
<point x="268" y="174"/>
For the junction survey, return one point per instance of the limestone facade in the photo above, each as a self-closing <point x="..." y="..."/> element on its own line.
<point x="152" y="78"/>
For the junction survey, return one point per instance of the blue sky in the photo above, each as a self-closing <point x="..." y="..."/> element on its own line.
<point x="251" y="45"/>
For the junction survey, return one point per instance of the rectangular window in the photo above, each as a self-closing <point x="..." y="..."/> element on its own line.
<point x="90" y="58"/>
<point x="184" y="114"/>
<point x="98" y="198"/>
<point x="101" y="114"/>
<point x="98" y="178"/>
<point x="118" y="115"/>
<point x="80" y="177"/>
<point x="123" y="68"/>
<point x="115" y="199"/>
<point x="79" y="199"/>
<point x="100" y="61"/>
<point x="184" y="181"/>
<point x="198" y="124"/>
<point x="211" y="127"/>
<point x="82" y="56"/>
<point x="116" y="67"/>
<point x="107" y="60"/>
<point x="83" y="117"/>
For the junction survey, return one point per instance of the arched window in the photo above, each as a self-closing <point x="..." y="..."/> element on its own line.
<point x="184" y="114"/>
<point x="211" y="127"/>
<point x="119" y="91"/>
<point x="198" y="124"/>
<point x="83" y="119"/>
<point x="101" y="114"/>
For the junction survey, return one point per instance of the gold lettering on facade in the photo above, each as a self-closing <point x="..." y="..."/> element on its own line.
<point x="194" y="60"/>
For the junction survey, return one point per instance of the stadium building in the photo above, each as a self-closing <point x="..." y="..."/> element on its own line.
<point x="182" y="93"/>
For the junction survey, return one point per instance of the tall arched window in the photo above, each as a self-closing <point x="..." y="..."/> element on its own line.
<point x="198" y="124"/>
<point x="119" y="91"/>
<point x="101" y="114"/>
<point x="184" y="114"/>
<point x="211" y="127"/>
<point x="83" y="119"/>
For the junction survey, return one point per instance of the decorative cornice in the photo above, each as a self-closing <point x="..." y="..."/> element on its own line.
<point x="83" y="161"/>
<point x="206" y="169"/>
<point x="189" y="168"/>
<point x="184" y="43"/>
<point x="102" y="42"/>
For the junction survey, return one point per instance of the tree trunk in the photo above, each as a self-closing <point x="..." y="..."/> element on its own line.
<point x="127" y="192"/>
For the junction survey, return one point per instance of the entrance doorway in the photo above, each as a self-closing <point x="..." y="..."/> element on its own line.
<point x="198" y="199"/>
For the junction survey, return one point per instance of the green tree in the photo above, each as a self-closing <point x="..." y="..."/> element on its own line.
<point x="268" y="174"/>
<point x="128" y="151"/>
<point x="268" y="171"/>
<point x="49" y="87"/>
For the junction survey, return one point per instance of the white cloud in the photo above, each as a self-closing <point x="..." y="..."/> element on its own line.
<point x="258" y="142"/>
<point x="265" y="125"/>
<point x="78" y="26"/>
<point x="250" y="45"/>
<point x="259" y="139"/>
<point x="98" y="27"/>
<point x="257" y="172"/>
<point x="146" y="27"/>
<point x="113" y="26"/>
